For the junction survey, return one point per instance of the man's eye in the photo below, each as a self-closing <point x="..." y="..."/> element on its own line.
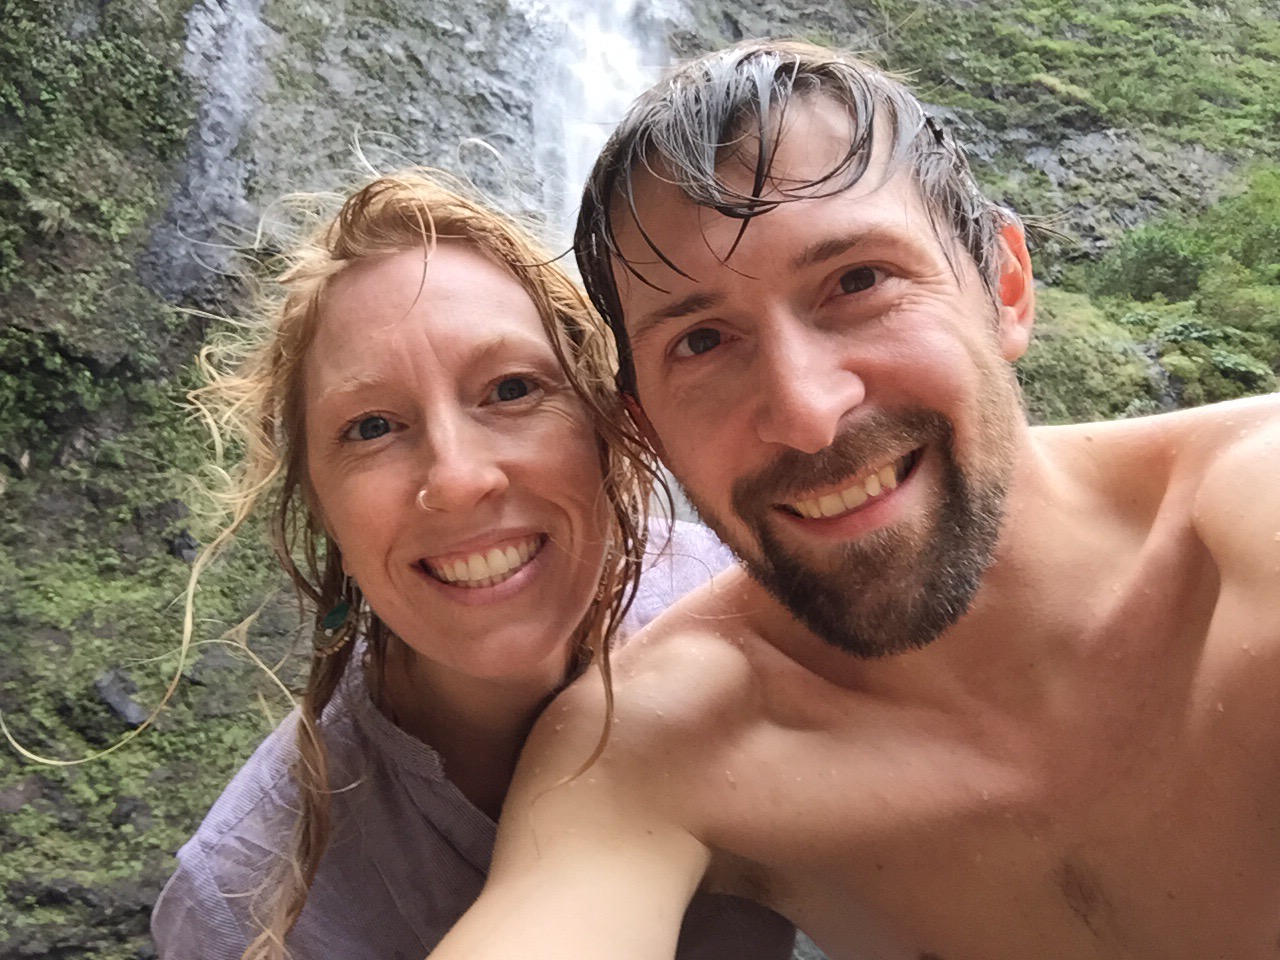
<point x="369" y="428"/>
<point x="697" y="342"/>
<point x="512" y="388"/>
<point x="858" y="279"/>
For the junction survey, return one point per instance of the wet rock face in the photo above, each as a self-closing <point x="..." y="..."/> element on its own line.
<point x="302" y="96"/>
<point x="223" y="60"/>
<point x="1092" y="180"/>
<point x="406" y="82"/>
<point x="1139" y="179"/>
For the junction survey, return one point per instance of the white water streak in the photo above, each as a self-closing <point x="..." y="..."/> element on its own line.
<point x="612" y="51"/>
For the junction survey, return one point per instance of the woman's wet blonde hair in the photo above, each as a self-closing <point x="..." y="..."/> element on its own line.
<point x="253" y="398"/>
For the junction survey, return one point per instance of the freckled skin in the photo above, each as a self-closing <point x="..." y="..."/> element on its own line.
<point x="1082" y="766"/>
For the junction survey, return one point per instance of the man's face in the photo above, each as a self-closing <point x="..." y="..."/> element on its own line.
<point x="834" y="397"/>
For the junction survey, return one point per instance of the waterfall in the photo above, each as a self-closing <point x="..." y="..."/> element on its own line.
<point x="223" y="52"/>
<point x="609" y="51"/>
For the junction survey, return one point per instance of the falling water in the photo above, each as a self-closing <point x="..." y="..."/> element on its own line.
<point x="223" y="59"/>
<point x="609" y="51"/>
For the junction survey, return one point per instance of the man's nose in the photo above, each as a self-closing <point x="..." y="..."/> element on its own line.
<point x="462" y="467"/>
<point x="804" y="388"/>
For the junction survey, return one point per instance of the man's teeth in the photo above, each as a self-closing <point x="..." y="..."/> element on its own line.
<point x="488" y="568"/>
<point x="852" y="496"/>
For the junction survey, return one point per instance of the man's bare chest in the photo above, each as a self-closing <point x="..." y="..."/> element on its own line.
<point x="1142" y="821"/>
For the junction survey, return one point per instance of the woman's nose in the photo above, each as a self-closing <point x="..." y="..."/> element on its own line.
<point x="804" y="389"/>
<point x="462" y="469"/>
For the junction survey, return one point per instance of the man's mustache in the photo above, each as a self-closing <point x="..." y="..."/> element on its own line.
<point x="868" y="442"/>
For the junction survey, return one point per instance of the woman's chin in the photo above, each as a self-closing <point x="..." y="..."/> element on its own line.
<point x="521" y="663"/>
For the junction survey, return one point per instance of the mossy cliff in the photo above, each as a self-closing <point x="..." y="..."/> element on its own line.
<point x="141" y="141"/>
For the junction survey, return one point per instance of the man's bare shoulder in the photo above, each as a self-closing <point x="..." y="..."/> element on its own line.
<point x="1197" y="431"/>
<point x="694" y="664"/>
<point x="681" y="690"/>
<point x="1226" y="456"/>
<point x="1237" y="504"/>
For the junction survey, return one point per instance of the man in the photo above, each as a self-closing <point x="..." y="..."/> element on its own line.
<point x="979" y="691"/>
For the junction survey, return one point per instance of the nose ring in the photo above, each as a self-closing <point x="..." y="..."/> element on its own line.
<point x="422" y="502"/>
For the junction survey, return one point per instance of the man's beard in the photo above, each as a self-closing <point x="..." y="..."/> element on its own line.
<point x="893" y="589"/>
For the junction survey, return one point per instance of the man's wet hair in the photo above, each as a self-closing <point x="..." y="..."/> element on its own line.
<point x="734" y="103"/>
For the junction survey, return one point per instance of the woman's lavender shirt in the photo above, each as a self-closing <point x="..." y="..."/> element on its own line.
<point x="408" y="852"/>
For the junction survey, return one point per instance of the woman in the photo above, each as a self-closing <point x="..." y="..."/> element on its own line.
<point x="429" y="417"/>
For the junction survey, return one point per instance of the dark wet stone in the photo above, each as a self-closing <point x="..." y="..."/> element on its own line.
<point x="115" y="689"/>
<point x="133" y="812"/>
<point x="17" y="796"/>
<point x="223" y="682"/>
<point x="155" y="518"/>
<point x="51" y="638"/>
<point x="185" y="547"/>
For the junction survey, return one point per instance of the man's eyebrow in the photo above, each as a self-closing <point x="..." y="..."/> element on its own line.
<point x="818" y="252"/>
<point x="694" y="303"/>
<point x="832" y="247"/>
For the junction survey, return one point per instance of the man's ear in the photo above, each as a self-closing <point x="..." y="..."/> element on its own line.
<point x="641" y="420"/>
<point x="1015" y="292"/>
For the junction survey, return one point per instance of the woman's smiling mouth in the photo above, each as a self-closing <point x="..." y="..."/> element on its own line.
<point x="485" y="568"/>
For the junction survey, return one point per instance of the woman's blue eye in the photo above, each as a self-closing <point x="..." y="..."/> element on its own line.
<point x="858" y="279"/>
<point x="699" y="341"/>
<point x="512" y="388"/>
<point x="371" y="428"/>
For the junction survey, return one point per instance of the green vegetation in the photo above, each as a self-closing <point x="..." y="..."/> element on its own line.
<point x="86" y="584"/>
<point x="1184" y="311"/>
<point x="1101" y="114"/>
<point x="90" y="106"/>
<point x="1193" y="72"/>
<point x="95" y="113"/>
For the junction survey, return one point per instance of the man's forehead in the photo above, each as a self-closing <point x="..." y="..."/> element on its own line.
<point x="809" y="138"/>
<point x="815" y="137"/>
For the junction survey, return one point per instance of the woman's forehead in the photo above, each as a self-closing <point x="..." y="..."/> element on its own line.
<point x="456" y="286"/>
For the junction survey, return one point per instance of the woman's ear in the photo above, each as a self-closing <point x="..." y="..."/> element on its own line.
<point x="1015" y="292"/>
<point x="641" y="420"/>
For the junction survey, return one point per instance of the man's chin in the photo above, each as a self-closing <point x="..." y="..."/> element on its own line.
<point x="891" y="591"/>
<point x="865" y="615"/>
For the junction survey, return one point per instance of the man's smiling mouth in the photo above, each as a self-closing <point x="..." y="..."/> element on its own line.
<point x="485" y="569"/>
<point x="857" y="492"/>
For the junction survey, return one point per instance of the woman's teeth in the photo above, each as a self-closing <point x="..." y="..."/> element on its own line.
<point x="856" y="494"/>
<point x="487" y="568"/>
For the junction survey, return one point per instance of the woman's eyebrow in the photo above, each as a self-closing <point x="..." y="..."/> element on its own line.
<point x="494" y="347"/>
<point x="355" y="383"/>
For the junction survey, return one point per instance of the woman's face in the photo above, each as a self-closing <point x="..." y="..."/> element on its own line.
<point x="454" y="465"/>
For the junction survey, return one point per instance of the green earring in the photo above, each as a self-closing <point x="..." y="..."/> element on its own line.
<point x="334" y="631"/>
